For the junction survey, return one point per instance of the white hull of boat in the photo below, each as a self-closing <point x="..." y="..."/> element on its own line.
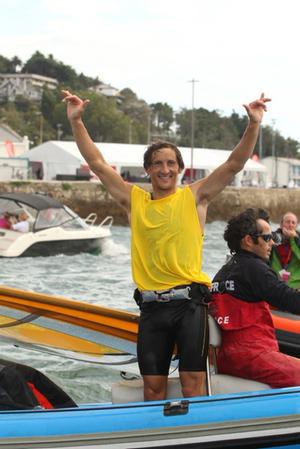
<point x="52" y="241"/>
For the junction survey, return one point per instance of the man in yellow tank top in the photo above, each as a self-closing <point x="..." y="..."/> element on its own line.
<point x="167" y="237"/>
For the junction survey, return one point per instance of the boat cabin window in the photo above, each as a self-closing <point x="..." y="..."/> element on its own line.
<point x="64" y="217"/>
<point x="49" y="218"/>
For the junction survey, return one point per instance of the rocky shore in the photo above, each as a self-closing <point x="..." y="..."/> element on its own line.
<point x="86" y="197"/>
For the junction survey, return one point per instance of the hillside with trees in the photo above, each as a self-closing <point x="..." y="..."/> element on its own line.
<point x="124" y="118"/>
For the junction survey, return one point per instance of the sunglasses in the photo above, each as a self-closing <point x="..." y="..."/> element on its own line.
<point x="266" y="237"/>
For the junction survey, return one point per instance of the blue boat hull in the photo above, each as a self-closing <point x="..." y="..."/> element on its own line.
<point x="248" y="420"/>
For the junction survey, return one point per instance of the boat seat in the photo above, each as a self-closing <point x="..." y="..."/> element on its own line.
<point x="125" y="391"/>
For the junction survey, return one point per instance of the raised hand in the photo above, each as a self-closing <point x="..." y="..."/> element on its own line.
<point x="75" y="105"/>
<point x="256" y="109"/>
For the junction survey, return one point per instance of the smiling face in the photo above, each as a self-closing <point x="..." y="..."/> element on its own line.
<point x="163" y="171"/>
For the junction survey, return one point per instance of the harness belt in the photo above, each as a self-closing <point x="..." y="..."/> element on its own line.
<point x="198" y="293"/>
<point x="180" y="292"/>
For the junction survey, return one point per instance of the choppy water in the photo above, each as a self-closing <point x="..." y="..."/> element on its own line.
<point x="105" y="280"/>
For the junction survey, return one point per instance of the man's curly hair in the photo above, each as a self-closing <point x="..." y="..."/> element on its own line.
<point x="241" y="225"/>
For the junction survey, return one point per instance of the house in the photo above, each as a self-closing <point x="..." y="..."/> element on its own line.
<point x="28" y="85"/>
<point x="283" y="171"/>
<point x="105" y="89"/>
<point x="61" y="158"/>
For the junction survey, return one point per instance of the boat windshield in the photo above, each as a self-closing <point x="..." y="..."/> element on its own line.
<point x="49" y="218"/>
<point x="53" y="217"/>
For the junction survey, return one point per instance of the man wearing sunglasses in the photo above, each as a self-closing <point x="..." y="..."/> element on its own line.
<point x="242" y="291"/>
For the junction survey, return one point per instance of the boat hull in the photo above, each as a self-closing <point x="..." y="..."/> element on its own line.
<point x="67" y="247"/>
<point x="253" y="420"/>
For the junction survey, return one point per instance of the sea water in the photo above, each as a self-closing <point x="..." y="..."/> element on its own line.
<point x="105" y="280"/>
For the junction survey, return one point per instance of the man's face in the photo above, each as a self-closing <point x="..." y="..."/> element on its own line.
<point x="263" y="248"/>
<point x="164" y="170"/>
<point x="289" y="222"/>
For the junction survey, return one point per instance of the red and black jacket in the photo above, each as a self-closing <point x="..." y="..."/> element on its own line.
<point x="242" y="291"/>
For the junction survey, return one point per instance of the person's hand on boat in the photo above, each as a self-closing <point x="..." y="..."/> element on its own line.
<point x="75" y="105"/>
<point x="256" y="109"/>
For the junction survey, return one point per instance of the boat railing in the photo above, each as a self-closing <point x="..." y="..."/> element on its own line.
<point x="91" y="219"/>
<point x="107" y="221"/>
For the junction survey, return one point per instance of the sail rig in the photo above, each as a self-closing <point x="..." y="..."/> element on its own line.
<point x="67" y="327"/>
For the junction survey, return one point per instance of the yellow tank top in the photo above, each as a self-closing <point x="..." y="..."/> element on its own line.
<point x="167" y="240"/>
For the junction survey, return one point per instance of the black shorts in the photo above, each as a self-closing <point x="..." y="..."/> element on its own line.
<point x="162" y="326"/>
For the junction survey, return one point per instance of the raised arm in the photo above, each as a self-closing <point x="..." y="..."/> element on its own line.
<point x="206" y="189"/>
<point x="114" y="183"/>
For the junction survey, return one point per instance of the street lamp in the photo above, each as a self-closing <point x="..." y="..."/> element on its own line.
<point x="40" y="115"/>
<point x="59" y="130"/>
<point x="130" y="131"/>
<point x="193" y="81"/>
<point x="260" y="142"/>
<point x="149" y="118"/>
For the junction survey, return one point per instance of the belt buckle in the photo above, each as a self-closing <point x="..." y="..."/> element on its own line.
<point x="187" y="293"/>
<point x="181" y="293"/>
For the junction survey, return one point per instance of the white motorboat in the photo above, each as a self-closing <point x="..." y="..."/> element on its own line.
<point x="54" y="228"/>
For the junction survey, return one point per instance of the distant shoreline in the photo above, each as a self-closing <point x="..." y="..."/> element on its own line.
<point x="86" y="197"/>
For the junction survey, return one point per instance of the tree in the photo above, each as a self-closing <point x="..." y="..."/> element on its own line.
<point x="138" y="113"/>
<point x="163" y="115"/>
<point x="49" y="100"/>
<point x="4" y="65"/>
<point x="16" y="63"/>
<point x="102" y="118"/>
<point x="9" y="65"/>
<point x="48" y="66"/>
<point x="210" y="129"/>
<point x="273" y="144"/>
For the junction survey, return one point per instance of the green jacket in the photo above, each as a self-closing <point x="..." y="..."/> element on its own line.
<point x="294" y="264"/>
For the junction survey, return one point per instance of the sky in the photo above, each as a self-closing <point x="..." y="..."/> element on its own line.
<point x="233" y="49"/>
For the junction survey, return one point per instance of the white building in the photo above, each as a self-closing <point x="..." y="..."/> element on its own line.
<point x="105" y="89"/>
<point x="28" y="85"/>
<point x="282" y="171"/>
<point x="63" y="158"/>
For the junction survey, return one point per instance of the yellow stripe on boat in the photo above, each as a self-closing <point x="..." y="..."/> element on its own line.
<point x="31" y="334"/>
<point x="113" y="322"/>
